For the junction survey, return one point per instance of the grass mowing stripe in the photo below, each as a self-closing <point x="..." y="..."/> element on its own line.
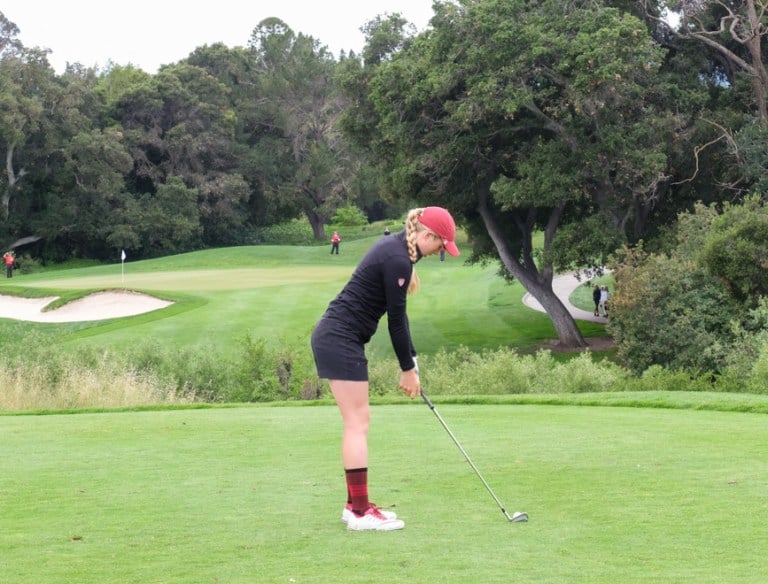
<point x="202" y="280"/>
<point x="254" y="494"/>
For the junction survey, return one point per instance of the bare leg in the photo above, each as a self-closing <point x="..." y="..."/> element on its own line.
<point x="352" y="399"/>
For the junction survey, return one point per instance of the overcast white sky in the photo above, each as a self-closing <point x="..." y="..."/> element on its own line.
<point x="150" y="33"/>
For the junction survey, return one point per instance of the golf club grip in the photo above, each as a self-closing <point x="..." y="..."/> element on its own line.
<point x="426" y="399"/>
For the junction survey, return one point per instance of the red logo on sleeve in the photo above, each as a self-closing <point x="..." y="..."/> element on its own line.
<point x="400" y="282"/>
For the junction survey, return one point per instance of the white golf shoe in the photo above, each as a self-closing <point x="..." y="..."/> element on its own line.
<point x="373" y="520"/>
<point x="347" y="513"/>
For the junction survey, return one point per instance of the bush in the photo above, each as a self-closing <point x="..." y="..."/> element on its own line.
<point x="295" y="232"/>
<point x="657" y="378"/>
<point x="299" y="232"/>
<point x="349" y="216"/>
<point x="503" y="371"/>
<point x="670" y="312"/>
<point x="688" y="309"/>
<point x="736" y="250"/>
<point x="44" y="374"/>
<point x="757" y="382"/>
<point x="26" y="264"/>
<point x="273" y="374"/>
<point x="748" y="356"/>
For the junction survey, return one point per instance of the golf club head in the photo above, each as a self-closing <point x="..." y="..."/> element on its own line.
<point x="518" y="517"/>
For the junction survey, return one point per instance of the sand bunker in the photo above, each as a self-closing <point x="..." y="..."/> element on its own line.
<point x="99" y="306"/>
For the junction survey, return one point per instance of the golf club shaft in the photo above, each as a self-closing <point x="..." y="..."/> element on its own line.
<point x="464" y="452"/>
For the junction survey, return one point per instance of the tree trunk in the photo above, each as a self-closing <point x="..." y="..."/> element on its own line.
<point x="537" y="283"/>
<point x="318" y="227"/>
<point x="5" y="200"/>
<point x="760" y="77"/>
<point x="568" y="334"/>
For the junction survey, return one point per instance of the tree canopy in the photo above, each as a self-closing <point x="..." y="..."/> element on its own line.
<point x="527" y="118"/>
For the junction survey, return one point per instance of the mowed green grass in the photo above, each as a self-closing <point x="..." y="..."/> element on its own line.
<point x="254" y="494"/>
<point x="277" y="293"/>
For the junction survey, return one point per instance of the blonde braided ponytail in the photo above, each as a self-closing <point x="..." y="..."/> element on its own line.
<point x="412" y="227"/>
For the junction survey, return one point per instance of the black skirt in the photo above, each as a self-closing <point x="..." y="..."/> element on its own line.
<point x="339" y="353"/>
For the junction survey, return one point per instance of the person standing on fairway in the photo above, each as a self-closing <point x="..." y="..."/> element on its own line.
<point x="378" y="286"/>
<point x="335" y="241"/>
<point x="10" y="262"/>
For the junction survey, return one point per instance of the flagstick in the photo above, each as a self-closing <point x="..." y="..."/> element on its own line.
<point x="122" y="267"/>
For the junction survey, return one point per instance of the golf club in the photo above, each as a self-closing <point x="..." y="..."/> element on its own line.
<point x="515" y="517"/>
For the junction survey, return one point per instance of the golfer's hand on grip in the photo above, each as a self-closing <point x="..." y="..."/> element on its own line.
<point x="409" y="383"/>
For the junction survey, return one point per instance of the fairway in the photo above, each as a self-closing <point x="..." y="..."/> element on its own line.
<point x="254" y="494"/>
<point x="277" y="293"/>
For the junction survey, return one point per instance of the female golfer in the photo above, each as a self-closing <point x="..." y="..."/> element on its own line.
<point x="378" y="285"/>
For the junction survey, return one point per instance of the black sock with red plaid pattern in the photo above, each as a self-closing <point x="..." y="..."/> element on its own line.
<point x="357" y="489"/>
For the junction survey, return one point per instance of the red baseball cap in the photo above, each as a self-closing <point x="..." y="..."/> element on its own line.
<point x="439" y="221"/>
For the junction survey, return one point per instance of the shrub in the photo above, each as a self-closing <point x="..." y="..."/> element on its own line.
<point x="274" y="374"/>
<point x="504" y="371"/>
<point x="736" y="250"/>
<point x="349" y="216"/>
<point x="47" y="378"/>
<point x="747" y="357"/>
<point x="27" y="264"/>
<point x="757" y="382"/>
<point x="684" y="310"/>
<point x="657" y="378"/>
<point x="44" y="374"/>
<point x="295" y="232"/>
<point x="257" y="376"/>
<point x="668" y="311"/>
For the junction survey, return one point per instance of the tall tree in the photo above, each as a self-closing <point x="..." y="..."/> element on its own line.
<point x="299" y="157"/>
<point x="177" y="123"/>
<point x="25" y="77"/>
<point x="181" y="123"/>
<point x="88" y="187"/>
<point x="42" y="118"/>
<point x="526" y="118"/>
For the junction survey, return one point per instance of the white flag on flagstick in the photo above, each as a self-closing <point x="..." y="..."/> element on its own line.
<point x="122" y="266"/>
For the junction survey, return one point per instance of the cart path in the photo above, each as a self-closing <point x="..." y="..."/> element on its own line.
<point x="563" y="286"/>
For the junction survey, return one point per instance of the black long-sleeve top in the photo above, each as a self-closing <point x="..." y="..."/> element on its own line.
<point x="379" y="286"/>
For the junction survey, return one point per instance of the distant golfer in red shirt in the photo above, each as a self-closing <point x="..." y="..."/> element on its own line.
<point x="10" y="260"/>
<point x="335" y="240"/>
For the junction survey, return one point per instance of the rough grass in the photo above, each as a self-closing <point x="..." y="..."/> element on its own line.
<point x="31" y="388"/>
